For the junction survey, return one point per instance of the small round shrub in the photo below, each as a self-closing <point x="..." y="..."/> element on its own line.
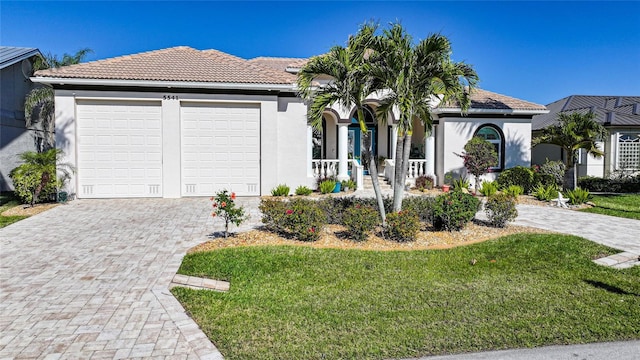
<point x="304" y="219"/>
<point x="551" y="172"/>
<point x="280" y="190"/>
<point x="519" y="175"/>
<point x="303" y="190"/>
<point x="424" y="182"/>
<point x="422" y="206"/>
<point x="273" y="214"/>
<point x="500" y="209"/>
<point x="453" y="210"/>
<point x="360" y="221"/>
<point x="402" y="226"/>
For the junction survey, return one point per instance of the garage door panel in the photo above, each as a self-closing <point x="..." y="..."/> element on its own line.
<point x="215" y="153"/>
<point x="119" y="149"/>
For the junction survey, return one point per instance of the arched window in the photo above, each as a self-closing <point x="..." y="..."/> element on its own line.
<point x="493" y="134"/>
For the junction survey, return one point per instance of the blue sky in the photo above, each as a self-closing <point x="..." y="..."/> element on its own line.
<point x="536" y="51"/>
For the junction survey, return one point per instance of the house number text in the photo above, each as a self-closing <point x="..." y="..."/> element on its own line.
<point x="170" y="97"/>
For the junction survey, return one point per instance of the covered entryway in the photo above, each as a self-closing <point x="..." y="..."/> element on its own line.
<point x="119" y="149"/>
<point x="220" y="148"/>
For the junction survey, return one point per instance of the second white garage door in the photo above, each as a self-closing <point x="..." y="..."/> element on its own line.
<point x="220" y="148"/>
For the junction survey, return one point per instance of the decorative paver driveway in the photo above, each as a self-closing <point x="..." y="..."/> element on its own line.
<point x="89" y="280"/>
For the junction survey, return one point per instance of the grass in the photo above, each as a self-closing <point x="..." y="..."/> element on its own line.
<point x="620" y="205"/>
<point x="291" y="302"/>
<point x="7" y="201"/>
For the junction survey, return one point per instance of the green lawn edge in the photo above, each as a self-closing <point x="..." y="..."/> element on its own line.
<point x="525" y="290"/>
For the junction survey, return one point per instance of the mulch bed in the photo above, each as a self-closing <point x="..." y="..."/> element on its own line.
<point x="27" y="210"/>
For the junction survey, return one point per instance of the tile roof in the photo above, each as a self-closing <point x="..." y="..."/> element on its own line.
<point x="281" y="64"/>
<point x="487" y="100"/>
<point x="10" y="55"/>
<point x="609" y="110"/>
<point x="174" y="64"/>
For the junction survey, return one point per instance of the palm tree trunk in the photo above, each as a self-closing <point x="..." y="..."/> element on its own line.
<point x="373" y="172"/>
<point x="398" y="180"/>
<point x="401" y="174"/>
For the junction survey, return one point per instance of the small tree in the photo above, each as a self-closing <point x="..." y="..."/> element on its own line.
<point x="224" y="206"/>
<point x="479" y="155"/>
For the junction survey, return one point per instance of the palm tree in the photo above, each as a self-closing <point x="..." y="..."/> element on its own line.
<point x="37" y="175"/>
<point x="350" y="85"/>
<point x="42" y="98"/>
<point x="415" y="76"/>
<point x="574" y="131"/>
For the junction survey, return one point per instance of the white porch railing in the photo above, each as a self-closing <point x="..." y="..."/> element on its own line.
<point x="417" y="167"/>
<point x="357" y="173"/>
<point x="329" y="167"/>
<point x="324" y="168"/>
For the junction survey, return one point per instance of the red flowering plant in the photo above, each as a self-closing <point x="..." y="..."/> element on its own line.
<point x="224" y="207"/>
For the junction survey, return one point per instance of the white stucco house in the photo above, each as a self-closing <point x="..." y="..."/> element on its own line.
<point x="16" y="64"/>
<point x="620" y="115"/>
<point x="184" y="122"/>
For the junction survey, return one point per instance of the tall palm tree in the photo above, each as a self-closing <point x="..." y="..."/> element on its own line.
<point x="349" y="86"/>
<point x="415" y="76"/>
<point x="574" y="131"/>
<point x="42" y="98"/>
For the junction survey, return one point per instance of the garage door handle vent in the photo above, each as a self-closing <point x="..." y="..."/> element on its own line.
<point x="190" y="188"/>
<point x="251" y="188"/>
<point x="154" y="189"/>
<point x="87" y="189"/>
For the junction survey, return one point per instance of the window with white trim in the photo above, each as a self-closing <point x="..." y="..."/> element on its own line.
<point x="493" y="135"/>
<point x="628" y="151"/>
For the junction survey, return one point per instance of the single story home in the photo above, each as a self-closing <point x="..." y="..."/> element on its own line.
<point x="16" y="64"/>
<point x="183" y="122"/>
<point x="620" y="115"/>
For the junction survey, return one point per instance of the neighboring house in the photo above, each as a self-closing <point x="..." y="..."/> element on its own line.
<point x="16" y="64"/>
<point x="620" y="115"/>
<point x="184" y="122"/>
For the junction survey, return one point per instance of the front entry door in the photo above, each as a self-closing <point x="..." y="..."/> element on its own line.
<point x="356" y="145"/>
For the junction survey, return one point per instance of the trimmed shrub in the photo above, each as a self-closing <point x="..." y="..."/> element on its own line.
<point x="300" y="218"/>
<point x="551" y="172"/>
<point x="578" y="196"/>
<point x="334" y="207"/>
<point x="280" y="190"/>
<point x="422" y="206"/>
<point x="273" y="212"/>
<point x="303" y="190"/>
<point x="513" y="191"/>
<point x="500" y="209"/>
<point x="424" y="182"/>
<point x="453" y="210"/>
<point x="327" y="186"/>
<point x="629" y="184"/>
<point x="519" y="175"/>
<point x="360" y="221"/>
<point x="402" y="226"/>
<point x="545" y="193"/>
<point x="488" y="188"/>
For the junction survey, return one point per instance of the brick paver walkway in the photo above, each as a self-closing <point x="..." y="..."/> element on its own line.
<point x="89" y="280"/>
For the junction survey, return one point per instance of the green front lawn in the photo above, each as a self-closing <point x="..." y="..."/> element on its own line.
<point x="621" y="205"/>
<point x="525" y="290"/>
<point x="7" y="201"/>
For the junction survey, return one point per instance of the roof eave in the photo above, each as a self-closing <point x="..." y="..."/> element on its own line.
<point x="161" y="84"/>
<point x="491" y="111"/>
<point x="21" y="57"/>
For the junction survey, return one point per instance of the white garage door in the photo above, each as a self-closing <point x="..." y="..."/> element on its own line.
<point x="119" y="149"/>
<point x="220" y="148"/>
